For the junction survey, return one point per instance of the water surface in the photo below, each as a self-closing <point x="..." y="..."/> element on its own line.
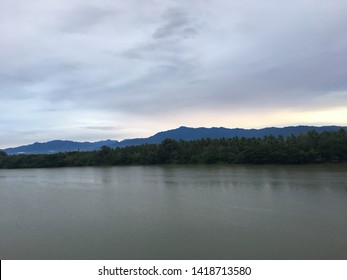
<point x="174" y="212"/>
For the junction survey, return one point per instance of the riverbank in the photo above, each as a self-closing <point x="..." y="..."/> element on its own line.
<point x="311" y="147"/>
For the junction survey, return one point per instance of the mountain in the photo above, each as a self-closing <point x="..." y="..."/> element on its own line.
<point x="188" y="133"/>
<point x="57" y="146"/>
<point x="181" y="133"/>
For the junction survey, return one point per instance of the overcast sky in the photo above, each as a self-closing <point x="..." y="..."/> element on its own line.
<point x="92" y="70"/>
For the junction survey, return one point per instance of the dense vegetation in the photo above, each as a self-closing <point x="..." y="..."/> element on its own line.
<point x="311" y="147"/>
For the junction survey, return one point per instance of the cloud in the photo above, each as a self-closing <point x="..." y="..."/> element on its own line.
<point x="177" y="24"/>
<point x="82" y="19"/>
<point x="82" y="67"/>
<point x="101" y="127"/>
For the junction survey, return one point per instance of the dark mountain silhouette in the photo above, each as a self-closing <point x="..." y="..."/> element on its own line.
<point x="57" y="146"/>
<point x="181" y="133"/>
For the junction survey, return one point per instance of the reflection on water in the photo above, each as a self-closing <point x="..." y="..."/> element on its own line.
<point x="174" y="212"/>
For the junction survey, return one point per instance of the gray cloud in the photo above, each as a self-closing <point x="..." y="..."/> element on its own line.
<point x="82" y="19"/>
<point x="82" y="68"/>
<point x="177" y="23"/>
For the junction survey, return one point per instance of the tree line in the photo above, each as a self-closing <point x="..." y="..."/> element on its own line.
<point x="310" y="147"/>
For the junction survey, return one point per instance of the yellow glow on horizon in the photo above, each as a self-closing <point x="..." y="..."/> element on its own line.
<point x="332" y="116"/>
<point x="242" y="118"/>
<point x="261" y="119"/>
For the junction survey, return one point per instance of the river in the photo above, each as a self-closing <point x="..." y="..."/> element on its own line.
<point x="174" y="212"/>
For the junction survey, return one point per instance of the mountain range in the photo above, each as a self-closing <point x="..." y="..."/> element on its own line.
<point x="181" y="133"/>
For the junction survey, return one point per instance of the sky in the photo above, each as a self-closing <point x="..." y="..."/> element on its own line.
<point x="87" y="70"/>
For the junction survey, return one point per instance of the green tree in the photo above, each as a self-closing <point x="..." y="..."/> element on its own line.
<point x="2" y="153"/>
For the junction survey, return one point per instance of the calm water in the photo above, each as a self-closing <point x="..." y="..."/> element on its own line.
<point x="174" y="212"/>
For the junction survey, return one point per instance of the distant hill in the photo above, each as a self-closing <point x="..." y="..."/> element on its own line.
<point x="57" y="146"/>
<point x="181" y="133"/>
<point x="188" y="133"/>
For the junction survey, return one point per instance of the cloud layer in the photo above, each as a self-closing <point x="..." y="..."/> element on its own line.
<point x="88" y="70"/>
